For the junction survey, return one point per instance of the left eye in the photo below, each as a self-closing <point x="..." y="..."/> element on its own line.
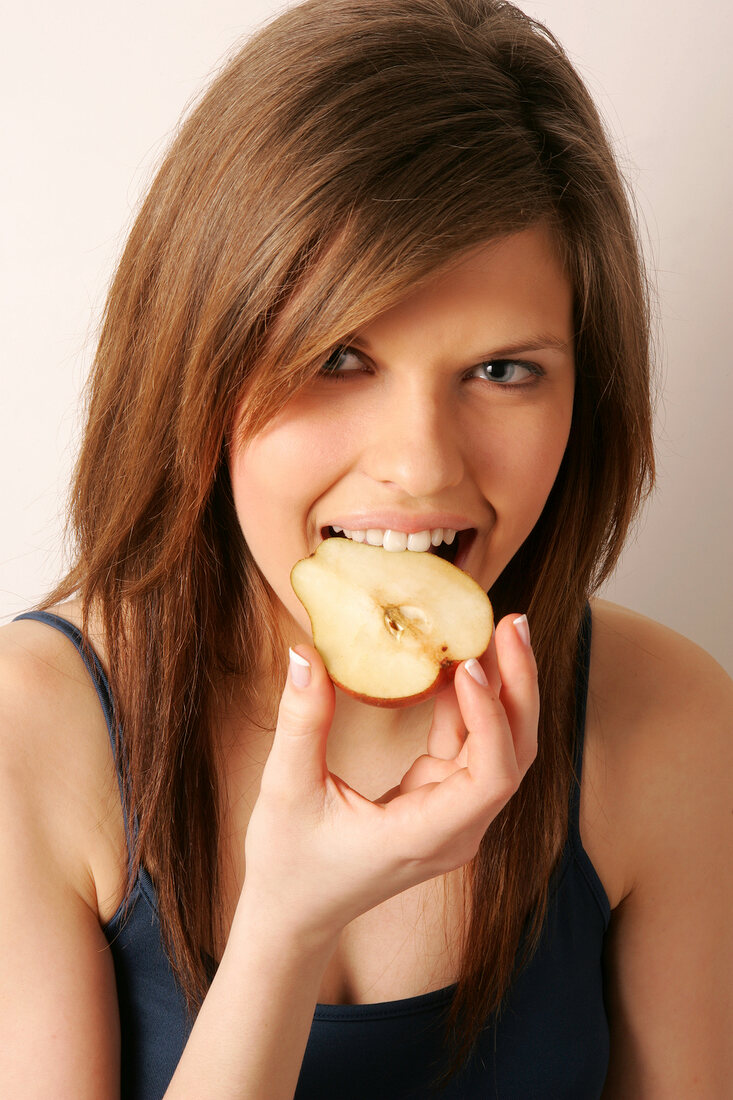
<point x="507" y="371"/>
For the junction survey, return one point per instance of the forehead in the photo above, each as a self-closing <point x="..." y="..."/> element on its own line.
<point x="511" y="290"/>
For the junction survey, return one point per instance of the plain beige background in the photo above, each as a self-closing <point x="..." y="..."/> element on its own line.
<point x="90" y="94"/>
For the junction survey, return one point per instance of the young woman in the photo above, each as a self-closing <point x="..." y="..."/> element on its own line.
<point x="386" y="280"/>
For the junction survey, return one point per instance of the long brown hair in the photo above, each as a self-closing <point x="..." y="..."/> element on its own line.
<point x="347" y="152"/>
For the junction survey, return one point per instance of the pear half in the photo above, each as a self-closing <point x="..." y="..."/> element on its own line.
<point x="391" y="627"/>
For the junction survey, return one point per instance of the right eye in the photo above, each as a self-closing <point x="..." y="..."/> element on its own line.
<point x="342" y="361"/>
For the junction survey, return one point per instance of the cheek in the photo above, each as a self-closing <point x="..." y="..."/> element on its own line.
<point x="522" y="463"/>
<point x="276" y="479"/>
<point x="545" y="447"/>
<point x="277" y="476"/>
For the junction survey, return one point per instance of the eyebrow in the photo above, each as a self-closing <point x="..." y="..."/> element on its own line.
<point x="543" y="342"/>
<point x="538" y="343"/>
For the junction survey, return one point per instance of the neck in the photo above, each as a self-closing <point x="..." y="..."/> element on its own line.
<point x="372" y="747"/>
<point x="369" y="747"/>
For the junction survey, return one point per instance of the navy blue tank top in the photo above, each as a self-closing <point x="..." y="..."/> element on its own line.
<point x="549" y="1042"/>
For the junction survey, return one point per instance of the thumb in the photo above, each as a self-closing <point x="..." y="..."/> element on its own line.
<point x="304" y="719"/>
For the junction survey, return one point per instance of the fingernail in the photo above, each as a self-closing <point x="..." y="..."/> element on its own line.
<point x="300" y="670"/>
<point x="522" y="628"/>
<point x="474" y="670"/>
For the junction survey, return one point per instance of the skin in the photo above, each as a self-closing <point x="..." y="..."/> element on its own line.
<point x="416" y="427"/>
<point x="380" y="808"/>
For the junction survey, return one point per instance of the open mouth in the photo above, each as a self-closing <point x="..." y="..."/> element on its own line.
<point x="454" y="552"/>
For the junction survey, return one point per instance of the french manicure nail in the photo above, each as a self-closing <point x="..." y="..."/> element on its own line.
<point x="300" y="670"/>
<point x="474" y="670"/>
<point x="522" y="628"/>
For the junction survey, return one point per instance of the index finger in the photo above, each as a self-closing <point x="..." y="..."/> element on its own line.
<point x="447" y="733"/>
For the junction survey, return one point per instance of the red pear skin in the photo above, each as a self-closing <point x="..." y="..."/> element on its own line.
<point x="442" y="680"/>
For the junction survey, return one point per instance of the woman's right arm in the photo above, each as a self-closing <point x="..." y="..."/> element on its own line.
<point x="59" y="1025"/>
<point x="59" y="1020"/>
<point x="318" y="854"/>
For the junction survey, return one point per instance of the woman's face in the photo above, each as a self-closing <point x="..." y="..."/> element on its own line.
<point x="450" y="410"/>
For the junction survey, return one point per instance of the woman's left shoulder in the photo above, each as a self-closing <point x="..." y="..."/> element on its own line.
<point x="656" y="813"/>
<point x="643" y="670"/>
<point x="659" y="747"/>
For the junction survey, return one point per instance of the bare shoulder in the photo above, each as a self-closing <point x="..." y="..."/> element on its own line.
<point x="658" y="816"/>
<point x="659" y="732"/>
<point x="641" y="663"/>
<point x="55" y="754"/>
<point x="61" y="838"/>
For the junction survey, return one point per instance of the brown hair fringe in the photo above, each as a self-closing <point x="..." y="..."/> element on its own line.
<point x="346" y="153"/>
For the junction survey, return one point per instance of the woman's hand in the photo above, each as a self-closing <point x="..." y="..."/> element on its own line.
<point x="318" y="853"/>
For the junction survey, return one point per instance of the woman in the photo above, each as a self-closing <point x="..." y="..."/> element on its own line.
<point x="386" y="279"/>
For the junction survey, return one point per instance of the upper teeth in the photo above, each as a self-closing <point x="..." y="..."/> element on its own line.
<point x="400" y="540"/>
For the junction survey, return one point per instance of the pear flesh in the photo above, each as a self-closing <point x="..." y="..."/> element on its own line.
<point x="391" y="627"/>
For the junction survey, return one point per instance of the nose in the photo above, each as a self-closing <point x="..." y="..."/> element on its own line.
<point x="414" y="443"/>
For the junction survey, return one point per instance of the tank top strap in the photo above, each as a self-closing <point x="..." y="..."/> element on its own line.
<point x="101" y="684"/>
